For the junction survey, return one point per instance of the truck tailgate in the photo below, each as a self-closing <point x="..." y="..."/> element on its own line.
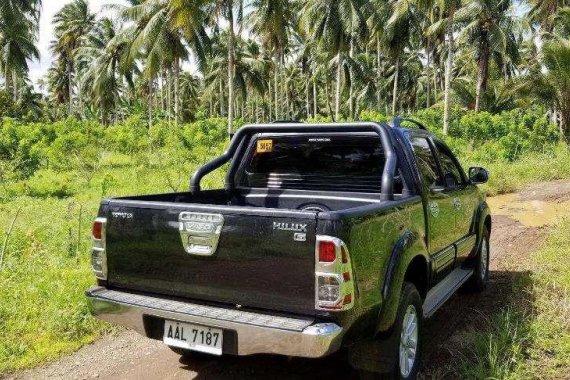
<point x="264" y="257"/>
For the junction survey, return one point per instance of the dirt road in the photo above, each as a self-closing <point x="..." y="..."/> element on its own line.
<point x="130" y="356"/>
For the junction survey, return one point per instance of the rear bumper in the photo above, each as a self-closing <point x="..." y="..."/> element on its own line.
<point x="254" y="333"/>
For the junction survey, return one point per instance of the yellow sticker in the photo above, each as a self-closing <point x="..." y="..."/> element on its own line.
<point x="264" y="146"/>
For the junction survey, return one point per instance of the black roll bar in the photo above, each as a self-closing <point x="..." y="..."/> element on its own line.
<point x="397" y="121"/>
<point x="387" y="189"/>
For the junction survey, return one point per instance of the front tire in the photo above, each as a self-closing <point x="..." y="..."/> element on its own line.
<point x="478" y="281"/>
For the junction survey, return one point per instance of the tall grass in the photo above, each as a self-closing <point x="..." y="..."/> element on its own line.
<point x="507" y="177"/>
<point x="531" y="338"/>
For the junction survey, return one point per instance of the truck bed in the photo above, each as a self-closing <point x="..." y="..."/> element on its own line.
<point x="284" y="200"/>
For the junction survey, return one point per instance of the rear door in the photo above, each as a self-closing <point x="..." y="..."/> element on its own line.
<point x="253" y="257"/>
<point x="440" y="208"/>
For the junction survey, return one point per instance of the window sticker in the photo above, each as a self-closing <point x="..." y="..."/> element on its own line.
<point x="264" y="146"/>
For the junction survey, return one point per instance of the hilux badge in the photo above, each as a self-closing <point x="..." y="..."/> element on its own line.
<point x="293" y="227"/>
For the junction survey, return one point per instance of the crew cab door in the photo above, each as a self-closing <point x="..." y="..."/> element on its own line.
<point x="464" y="196"/>
<point x="440" y="208"/>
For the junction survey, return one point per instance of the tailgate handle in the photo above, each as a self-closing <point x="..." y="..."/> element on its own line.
<point x="200" y="232"/>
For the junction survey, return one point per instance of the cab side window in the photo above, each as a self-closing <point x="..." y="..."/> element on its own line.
<point x="452" y="176"/>
<point x="427" y="164"/>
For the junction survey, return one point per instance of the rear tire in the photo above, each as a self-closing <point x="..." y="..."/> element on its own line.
<point x="478" y="281"/>
<point x="403" y="346"/>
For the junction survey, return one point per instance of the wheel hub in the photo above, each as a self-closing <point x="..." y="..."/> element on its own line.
<point x="408" y="341"/>
<point x="484" y="259"/>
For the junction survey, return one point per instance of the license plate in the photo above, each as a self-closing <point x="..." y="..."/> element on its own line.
<point x="193" y="337"/>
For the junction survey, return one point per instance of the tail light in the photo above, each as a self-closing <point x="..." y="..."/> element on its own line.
<point x="334" y="281"/>
<point x="99" y="253"/>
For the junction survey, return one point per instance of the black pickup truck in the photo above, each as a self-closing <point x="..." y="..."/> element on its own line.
<point x="326" y="236"/>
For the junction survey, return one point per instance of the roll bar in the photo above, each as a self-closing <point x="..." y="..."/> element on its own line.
<point x="397" y="121"/>
<point x="387" y="189"/>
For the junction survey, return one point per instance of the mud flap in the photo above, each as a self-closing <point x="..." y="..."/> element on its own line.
<point x="378" y="355"/>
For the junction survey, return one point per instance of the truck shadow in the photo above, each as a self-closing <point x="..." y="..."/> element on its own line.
<point x="443" y="339"/>
<point x="447" y="334"/>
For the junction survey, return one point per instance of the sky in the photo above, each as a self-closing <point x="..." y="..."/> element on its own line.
<point x="49" y="8"/>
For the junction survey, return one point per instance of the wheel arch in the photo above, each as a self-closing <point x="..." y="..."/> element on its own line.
<point x="408" y="262"/>
<point x="482" y="220"/>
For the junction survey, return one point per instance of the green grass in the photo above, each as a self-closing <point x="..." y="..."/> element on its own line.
<point x="507" y="177"/>
<point x="530" y="338"/>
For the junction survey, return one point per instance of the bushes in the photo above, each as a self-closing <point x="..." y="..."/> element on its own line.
<point x="487" y="137"/>
<point x="78" y="146"/>
<point x="83" y="147"/>
<point x="130" y="136"/>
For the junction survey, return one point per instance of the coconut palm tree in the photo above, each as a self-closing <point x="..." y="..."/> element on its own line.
<point x="271" y="22"/>
<point x="190" y="87"/>
<point x="17" y="48"/>
<point x="103" y="63"/>
<point x="232" y="12"/>
<point x="543" y="12"/>
<point x="399" y="28"/>
<point x="19" y="24"/>
<point x="335" y="23"/>
<point x="249" y="73"/>
<point x="162" y="29"/>
<point x="72" y="24"/>
<point x="553" y="84"/>
<point x="446" y="23"/>
<point x="377" y="18"/>
<point x="489" y="28"/>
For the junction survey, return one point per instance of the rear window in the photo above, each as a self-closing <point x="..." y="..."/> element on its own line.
<point x="340" y="163"/>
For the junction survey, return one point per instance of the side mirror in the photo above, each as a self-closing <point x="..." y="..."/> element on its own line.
<point x="478" y="175"/>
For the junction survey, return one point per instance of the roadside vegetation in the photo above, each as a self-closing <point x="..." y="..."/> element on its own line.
<point x="529" y="339"/>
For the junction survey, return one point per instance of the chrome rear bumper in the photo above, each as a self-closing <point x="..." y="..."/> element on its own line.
<point x="256" y="333"/>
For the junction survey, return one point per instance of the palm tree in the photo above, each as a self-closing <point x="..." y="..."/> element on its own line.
<point x="271" y="23"/>
<point x="249" y="72"/>
<point x="232" y="12"/>
<point x="553" y="85"/>
<point x="17" y="47"/>
<point x="396" y="38"/>
<point x="379" y="15"/>
<point x="19" y="20"/>
<point x="29" y="9"/>
<point x="72" y="24"/>
<point x="190" y="87"/>
<point x="446" y="23"/>
<point x="544" y="12"/>
<point x="490" y="30"/>
<point x="334" y="24"/>
<point x="102" y="62"/>
<point x="161" y="30"/>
